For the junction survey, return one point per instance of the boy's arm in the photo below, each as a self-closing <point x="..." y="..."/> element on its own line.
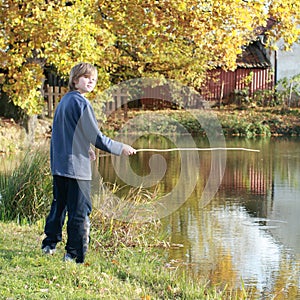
<point x="98" y="139"/>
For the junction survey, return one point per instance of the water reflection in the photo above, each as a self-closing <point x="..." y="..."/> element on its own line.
<point x="249" y="232"/>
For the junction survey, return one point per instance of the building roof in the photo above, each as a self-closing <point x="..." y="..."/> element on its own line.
<point x="253" y="56"/>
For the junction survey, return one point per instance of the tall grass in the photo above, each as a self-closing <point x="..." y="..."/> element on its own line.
<point x="26" y="190"/>
<point x="111" y="232"/>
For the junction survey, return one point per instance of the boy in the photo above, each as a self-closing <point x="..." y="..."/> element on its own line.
<point x="74" y="130"/>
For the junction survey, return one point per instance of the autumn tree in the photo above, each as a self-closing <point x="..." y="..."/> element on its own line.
<point x="131" y="38"/>
<point x="35" y="34"/>
<point x="182" y="39"/>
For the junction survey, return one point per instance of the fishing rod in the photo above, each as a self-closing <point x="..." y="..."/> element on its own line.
<point x="189" y="149"/>
<point x="195" y="149"/>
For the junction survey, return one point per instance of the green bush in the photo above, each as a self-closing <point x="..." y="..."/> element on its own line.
<point x="26" y="191"/>
<point x="244" y="126"/>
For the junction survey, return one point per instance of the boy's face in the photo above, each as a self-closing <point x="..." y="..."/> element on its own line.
<point x="86" y="83"/>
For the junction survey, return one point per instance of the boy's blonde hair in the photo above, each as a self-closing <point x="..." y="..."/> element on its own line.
<point x="79" y="70"/>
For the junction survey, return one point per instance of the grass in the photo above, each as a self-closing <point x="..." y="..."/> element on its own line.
<point x="113" y="273"/>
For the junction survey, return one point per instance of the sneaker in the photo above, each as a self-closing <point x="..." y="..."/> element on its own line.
<point x="68" y="258"/>
<point x="47" y="250"/>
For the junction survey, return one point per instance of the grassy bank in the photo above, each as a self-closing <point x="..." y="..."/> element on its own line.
<point x="108" y="273"/>
<point x="124" y="274"/>
<point x="250" y="122"/>
<point x="234" y="122"/>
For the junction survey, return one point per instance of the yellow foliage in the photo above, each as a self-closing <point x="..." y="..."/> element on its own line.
<point x="130" y="38"/>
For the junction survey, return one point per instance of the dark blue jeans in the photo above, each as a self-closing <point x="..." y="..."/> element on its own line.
<point x="72" y="197"/>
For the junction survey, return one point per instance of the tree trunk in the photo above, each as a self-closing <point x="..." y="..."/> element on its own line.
<point x="30" y="123"/>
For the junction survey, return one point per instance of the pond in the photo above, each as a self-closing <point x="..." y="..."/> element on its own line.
<point x="241" y="232"/>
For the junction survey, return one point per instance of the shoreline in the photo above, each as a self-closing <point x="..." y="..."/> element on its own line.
<point x="250" y="123"/>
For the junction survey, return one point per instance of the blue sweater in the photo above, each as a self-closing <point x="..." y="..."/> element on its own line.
<point x="74" y="129"/>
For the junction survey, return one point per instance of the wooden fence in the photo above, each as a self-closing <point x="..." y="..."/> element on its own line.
<point x="52" y="95"/>
<point x="151" y="98"/>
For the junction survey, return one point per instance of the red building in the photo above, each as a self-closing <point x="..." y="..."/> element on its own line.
<point x="253" y="73"/>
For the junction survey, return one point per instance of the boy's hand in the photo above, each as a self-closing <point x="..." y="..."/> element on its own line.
<point x="92" y="154"/>
<point x="128" y="150"/>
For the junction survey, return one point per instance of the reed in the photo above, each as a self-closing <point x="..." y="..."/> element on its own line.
<point x="26" y="190"/>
